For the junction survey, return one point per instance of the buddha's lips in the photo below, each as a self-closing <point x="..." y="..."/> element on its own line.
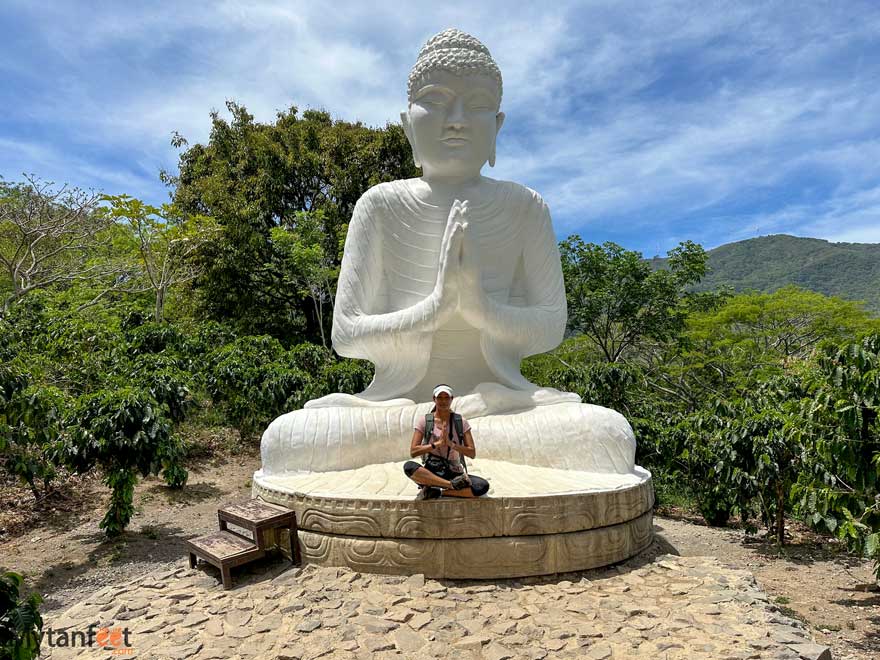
<point x="454" y="140"/>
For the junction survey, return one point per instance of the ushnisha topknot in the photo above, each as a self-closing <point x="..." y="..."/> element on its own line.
<point x="454" y="51"/>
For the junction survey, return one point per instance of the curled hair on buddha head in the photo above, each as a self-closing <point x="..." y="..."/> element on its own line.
<point x="457" y="52"/>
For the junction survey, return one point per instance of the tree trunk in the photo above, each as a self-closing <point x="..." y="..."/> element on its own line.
<point x="320" y="318"/>
<point x="160" y="305"/>
<point x="780" y="514"/>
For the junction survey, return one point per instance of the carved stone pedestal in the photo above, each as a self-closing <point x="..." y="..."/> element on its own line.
<point x="535" y="521"/>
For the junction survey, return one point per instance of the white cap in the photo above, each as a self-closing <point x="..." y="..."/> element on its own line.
<point x="443" y="388"/>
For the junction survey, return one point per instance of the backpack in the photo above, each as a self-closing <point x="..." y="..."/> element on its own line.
<point x="459" y="431"/>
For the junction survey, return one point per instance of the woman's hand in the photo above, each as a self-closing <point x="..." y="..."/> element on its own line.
<point x="443" y="442"/>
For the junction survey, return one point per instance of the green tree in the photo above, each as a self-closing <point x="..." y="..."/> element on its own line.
<point x="254" y="177"/>
<point x="49" y="236"/>
<point x="167" y="243"/>
<point x="619" y="302"/>
<point x="304" y="262"/>
<point x="123" y="431"/>
<point x="777" y="328"/>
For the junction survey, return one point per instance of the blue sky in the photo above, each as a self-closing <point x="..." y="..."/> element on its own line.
<point x="645" y="123"/>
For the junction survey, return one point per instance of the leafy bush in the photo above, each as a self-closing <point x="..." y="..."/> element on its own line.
<point x="20" y="620"/>
<point x="124" y="432"/>
<point x="153" y="338"/>
<point x="839" y="489"/>
<point x="31" y="423"/>
<point x="346" y="376"/>
<point x="168" y="382"/>
<point x="310" y="358"/>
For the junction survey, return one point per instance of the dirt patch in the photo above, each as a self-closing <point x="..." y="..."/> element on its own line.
<point x="66" y="557"/>
<point x="63" y="554"/>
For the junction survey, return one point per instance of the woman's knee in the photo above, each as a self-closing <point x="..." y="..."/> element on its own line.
<point x="479" y="486"/>
<point x="410" y="467"/>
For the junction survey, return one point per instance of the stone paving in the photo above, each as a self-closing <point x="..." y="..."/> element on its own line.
<point x="665" y="607"/>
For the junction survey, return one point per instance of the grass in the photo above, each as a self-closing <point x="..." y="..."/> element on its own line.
<point x="669" y="493"/>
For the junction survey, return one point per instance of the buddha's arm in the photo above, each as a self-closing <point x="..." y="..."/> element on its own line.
<point x="538" y="326"/>
<point x="359" y="331"/>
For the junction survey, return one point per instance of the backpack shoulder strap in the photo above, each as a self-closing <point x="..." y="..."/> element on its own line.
<point x="429" y="427"/>
<point x="459" y="430"/>
<point x="459" y="426"/>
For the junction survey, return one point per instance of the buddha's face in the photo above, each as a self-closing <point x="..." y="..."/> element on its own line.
<point x="452" y="123"/>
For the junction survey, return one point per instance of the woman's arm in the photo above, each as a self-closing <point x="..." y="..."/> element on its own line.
<point x="467" y="449"/>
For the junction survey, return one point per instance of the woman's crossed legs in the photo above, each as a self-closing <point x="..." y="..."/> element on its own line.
<point x="424" y="477"/>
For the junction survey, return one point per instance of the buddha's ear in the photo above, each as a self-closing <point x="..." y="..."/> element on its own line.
<point x="407" y="130"/>
<point x="499" y="122"/>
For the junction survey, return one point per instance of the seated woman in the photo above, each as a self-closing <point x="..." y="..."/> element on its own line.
<point x="443" y="472"/>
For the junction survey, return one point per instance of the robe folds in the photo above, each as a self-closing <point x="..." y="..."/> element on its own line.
<point x="385" y="311"/>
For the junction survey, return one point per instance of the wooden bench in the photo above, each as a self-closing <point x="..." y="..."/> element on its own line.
<point x="227" y="549"/>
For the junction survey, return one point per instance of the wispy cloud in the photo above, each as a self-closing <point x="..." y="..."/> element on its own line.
<point x="643" y="123"/>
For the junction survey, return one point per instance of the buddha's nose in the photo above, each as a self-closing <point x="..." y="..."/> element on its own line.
<point x="456" y="117"/>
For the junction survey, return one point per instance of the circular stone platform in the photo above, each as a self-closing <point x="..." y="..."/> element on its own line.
<point x="534" y="521"/>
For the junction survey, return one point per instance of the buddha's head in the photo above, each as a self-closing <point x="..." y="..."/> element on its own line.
<point x="454" y="96"/>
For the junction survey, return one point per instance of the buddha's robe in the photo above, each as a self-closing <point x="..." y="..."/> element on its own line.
<point x="385" y="313"/>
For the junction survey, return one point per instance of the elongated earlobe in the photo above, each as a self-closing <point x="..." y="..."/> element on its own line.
<point x="499" y="122"/>
<point x="404" y="121"/>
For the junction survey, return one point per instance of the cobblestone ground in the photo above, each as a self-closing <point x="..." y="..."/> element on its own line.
<point x="669" y="607"/>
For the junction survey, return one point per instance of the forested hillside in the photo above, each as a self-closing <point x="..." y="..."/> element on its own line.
<point x="768" y="263"/>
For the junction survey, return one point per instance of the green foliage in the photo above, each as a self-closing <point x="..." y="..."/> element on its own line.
<point x="124" y="432"/>
<point x="31" y="423"/>
<point x="20" y="620"/>
<point x="839" y="489"/>
<point x="304" y="261"/>
<point x="753" y="447"/>
<point x="252" y="378"/>
<point x="49" y="236"/>
<point x="775" y="327"/>
<point x="283" y="194"/>
<point x="346" y="376"/>
<point x="166" y="243"/>
<point x="619" y="302"/>
<point x="153" y="338"/>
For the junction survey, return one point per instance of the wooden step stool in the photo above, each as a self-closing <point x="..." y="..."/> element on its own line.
<point x="227" y="549"/>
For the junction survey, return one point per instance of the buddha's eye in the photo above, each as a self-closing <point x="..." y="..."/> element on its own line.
<point x="433" y="100"/>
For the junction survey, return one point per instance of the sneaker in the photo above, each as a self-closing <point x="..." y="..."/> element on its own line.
<point x="459" y="482"/>
<point x="428" y="493"/>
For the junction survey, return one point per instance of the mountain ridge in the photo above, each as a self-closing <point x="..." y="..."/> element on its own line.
<point x="768" y="263"/>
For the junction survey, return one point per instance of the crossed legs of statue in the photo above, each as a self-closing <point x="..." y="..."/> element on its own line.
<point x="568" y="436"/>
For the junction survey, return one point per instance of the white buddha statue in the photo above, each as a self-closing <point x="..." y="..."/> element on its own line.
<point x="453" y="278"/>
